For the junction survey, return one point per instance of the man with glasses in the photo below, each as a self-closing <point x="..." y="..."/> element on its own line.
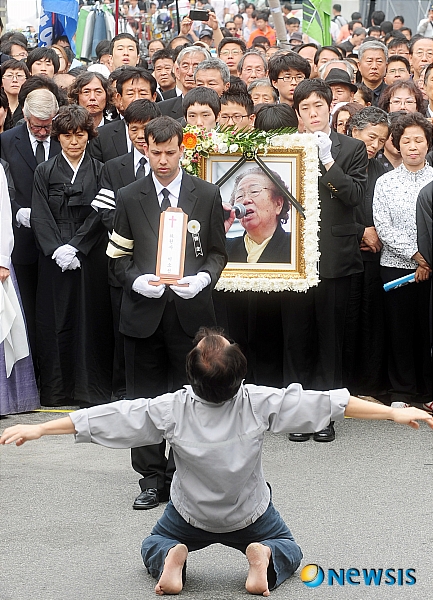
<point x="398" y="47"/>
<point x="286" y="71"/>
<point x="15" y="48"/>
<point x="421" y="55"/>
<point x="397" y="69"/>
<point x="24" y="147"/>
<point x="237" y="111"/>
<point x="252" y="66"/>
<point x="230" y="51"/>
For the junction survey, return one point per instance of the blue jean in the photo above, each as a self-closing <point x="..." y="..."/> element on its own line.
<point x="269" y="529"/>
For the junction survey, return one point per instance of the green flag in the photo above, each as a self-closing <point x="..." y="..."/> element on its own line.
<point x="316" y="20"/>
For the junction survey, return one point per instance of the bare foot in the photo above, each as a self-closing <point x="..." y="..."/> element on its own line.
<point x="258" y="556"/>
<point x="170" y="581"/>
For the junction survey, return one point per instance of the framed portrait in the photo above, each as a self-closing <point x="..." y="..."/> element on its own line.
<point x="274" y="246"/>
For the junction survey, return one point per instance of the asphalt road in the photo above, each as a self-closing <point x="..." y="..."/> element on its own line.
<point x="68" y="531"/>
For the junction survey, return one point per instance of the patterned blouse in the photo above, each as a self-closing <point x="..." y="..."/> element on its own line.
<point x="394" y="214"/>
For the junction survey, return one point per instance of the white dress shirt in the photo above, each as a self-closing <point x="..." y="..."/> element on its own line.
<point x="34" y="143"/>
<point x="137" y="157"/>
<point x="173" y="188"/>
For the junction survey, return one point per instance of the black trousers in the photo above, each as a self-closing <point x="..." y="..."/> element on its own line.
<point x="119" y="377"/>
<point x="155" y="366"/>
<point x="407" y="338"/>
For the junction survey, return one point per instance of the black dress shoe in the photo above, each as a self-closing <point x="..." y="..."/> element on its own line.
<point x="149" y="498"/>
<point x="325" y="435"/>
<point x="299" y="437"/>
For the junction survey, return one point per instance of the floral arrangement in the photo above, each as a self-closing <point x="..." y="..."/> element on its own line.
<point x="199" y="142"/>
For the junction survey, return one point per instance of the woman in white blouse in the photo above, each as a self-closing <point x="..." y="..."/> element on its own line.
<point x="407" y="308"/>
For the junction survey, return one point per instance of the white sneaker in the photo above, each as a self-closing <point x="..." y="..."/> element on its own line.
<point x="428" y="407"/>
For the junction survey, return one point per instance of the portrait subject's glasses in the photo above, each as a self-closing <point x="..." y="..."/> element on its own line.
<point x="395" y="71"/>
<point x="40" y="127"/>
<point x="234" y="118"/>
<point x="403" y="101"/>
<point x="226" y="53"/>
<point x="19" y="56"/>
<point x="252" y="193"/>
<point x="256" y="70"/>
<point x="289" y="78"/>
<point x="426" y="53"/>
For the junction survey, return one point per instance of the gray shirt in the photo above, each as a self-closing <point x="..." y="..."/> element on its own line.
<point x="219" y="484"/>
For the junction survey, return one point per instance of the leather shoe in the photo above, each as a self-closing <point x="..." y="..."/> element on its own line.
<point x="299" y="437"/>
<point x="325" y="435"/>
<point x="149" y="498"/>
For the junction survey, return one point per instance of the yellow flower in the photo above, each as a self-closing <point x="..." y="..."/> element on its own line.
<point x="189" y="140"/>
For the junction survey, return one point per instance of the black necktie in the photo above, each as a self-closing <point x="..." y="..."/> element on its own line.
<point x="165" y="201"/>
<point x="140" y="171"/>
<point x="40" y="153"/>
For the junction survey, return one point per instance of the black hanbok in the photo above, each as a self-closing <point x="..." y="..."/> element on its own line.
<point x="73" y="314"/>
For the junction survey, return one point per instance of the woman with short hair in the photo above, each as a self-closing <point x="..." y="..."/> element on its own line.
<point x="73" y="313"/>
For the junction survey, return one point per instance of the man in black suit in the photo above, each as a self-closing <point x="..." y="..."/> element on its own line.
<point x="133" y="83"/>
<point x="184" y="67"/>
<point x="24" y="147"/>
<point x="117" y="173"/>
<point x="159" y="322"/>
<point x="342" y="185"/>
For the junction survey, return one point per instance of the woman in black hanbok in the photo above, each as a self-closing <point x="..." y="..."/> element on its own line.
<point x="73" y="314"/>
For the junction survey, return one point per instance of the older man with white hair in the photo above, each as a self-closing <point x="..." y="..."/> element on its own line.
<point x="24" y="147"/>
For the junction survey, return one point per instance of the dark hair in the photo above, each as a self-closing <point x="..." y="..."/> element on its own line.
<point x="366" y="93"/>
<point x="260" y="40"/>
<point x="356" y="16"/>
<point x="262" y="15"/>
<point x="385" y="97"/>
<point x="427" y="72"/>
<point x="399" y="17"/>
<point x="102" y="48"/>
<point x="398" y="58"/>
<point x="61" y="38"/>
<point x="37" y="82"/>
<point x="124" y="36"/>
<point x="309" y="45"/>
<point x="214" y="369"/>
<point x="162" y="54"/>
<point x="135" y="73"/>
<point x="370" y="115"/>
<point x="141" y="111"/>
<point x="4" y="103"/>
<point x="351" y="107"/>
<point x="378" y="17"/>
<point x="68" y="51"/>
<point x="399" y="126"/>
<point x="163" y="129"/>
<point x="6" y="46"/>
<point x="416" y="38"/>
<point x="42" y="53"/>
<point x="373" y="28"/>
<point x="241" y="98"/>
<point x="159" y="41"/>
<point x="84" y="79"/>
<point x="386" y="26"/>
<point x="311" y="86"/>
<point x="180" y="37"/>
<point x="406" y="29"/>
<point x="293" y="21"/>
<point x="73" y="118"/>
<point x="14" y="64"/>
<point x="398" y="41"/>
<point x="238" y="85"/>
<point x="17" y="35"/>
<point x="333" y="49"/>
<point x="275" y="116"/>
<point x="203" y="96"/>
<point x="283" y="62"/>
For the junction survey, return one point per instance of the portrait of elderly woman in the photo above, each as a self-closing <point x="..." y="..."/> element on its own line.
<point x="267" y="209"/>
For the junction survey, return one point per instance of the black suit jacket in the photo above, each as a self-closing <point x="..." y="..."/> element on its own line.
<point x="341" y="189"/>
<point x="16" y="149"/>
<point x="277" y="250"/>
<point x="172" y="108"/>
<point x="135" y="237"/>
<point x="110" y="142"/>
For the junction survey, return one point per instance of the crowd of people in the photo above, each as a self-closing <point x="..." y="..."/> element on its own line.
<point x="91" y="154"/>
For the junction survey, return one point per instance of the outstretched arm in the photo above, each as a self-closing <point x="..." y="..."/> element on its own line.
<point x="23" y="433"/>
<point x="361" y="409"/>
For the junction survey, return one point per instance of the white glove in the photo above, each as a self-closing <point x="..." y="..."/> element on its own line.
<point x="74" y="264"/>
<point x="64" y="255"/>
<point x="324" y="142"/>
<point x="196" y="284"/>
<point x="141" y="286"/>
<point x="23" y="217"/>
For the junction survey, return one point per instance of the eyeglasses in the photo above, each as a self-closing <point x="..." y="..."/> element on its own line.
<point x="395" y="71"/>
<point x="40" y="127"/>
<point x="257" y="70"/>
<point x="408" y="101"/>
<point x="230" y="52"/>
<point x="234" y="118"/>
<point x="252" y="192"/>
<point x="426" y="53"/>
<point x="20" y="55"/>
<point x="17" y="76"/>
<point x="289" y="78"/>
